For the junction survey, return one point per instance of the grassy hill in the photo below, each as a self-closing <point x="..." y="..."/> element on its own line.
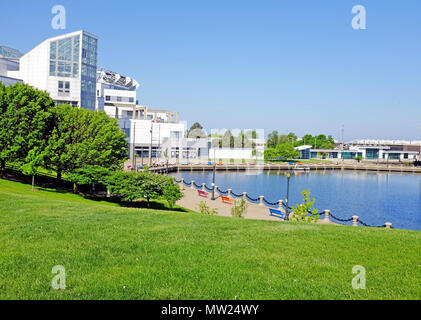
<point x="111" y="252"/>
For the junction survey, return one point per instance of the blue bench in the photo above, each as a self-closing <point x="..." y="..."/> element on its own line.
<point x="276" y="213"/>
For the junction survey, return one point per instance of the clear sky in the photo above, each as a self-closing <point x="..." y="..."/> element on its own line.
<point x="286" y="65"/>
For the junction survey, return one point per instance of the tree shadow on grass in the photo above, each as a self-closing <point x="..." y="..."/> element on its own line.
<point x="140" y="204"/>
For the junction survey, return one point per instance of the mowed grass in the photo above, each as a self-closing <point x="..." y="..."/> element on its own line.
<point x="111" y="252"/>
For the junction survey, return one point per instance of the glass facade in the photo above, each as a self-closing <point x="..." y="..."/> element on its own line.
<point x="64" y="57"/>
<point x="89" y="67"/>
<point x="372" y="154"/>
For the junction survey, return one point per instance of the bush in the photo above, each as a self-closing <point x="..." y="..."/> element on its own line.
<point x="304" y="212"/>
<point x="239" y="208"/>
<point x="172" y="193"/>
<point x="205" y="209"/>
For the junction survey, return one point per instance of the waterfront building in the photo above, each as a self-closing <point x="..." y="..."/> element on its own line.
<point x="377" y="152"/>
<point x="116" y="94"/>
<point x="65" y="66"/>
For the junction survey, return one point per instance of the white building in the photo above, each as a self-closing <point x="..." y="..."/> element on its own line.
<point x="65" y="66"/>
<point x="116" y="94"/>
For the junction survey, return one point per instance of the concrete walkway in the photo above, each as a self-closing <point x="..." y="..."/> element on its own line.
<point x="191" y="201"/>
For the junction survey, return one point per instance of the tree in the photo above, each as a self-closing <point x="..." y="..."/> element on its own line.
<point x="227" y="140"/>
<point x="273" y="139"/>
<point x="26" y="119"/>
<point x="132" y="186"/>
<point x="89" y="175"/>
<point x="83" y="138"/>
<point x="171" y="193"/>
<point x="196" y="131"/>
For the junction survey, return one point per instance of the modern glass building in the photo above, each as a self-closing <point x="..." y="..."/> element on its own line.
<point x="65" y="67"/>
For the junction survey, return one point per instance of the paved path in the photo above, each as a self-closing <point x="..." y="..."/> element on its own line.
<point x="191" y="200"/>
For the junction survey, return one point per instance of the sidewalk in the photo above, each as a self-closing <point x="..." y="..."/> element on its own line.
<point x="191" y="201"/>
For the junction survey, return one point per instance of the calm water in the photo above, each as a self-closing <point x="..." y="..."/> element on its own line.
<point x="375" y="197"/>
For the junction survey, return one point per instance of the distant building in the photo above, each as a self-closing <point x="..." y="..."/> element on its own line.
<point x="365" y="151"/>
<point x="116" y="94"/>
<point x="9" y="63"/>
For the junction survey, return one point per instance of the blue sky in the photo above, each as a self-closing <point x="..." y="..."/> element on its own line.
<point x="291" y="65"/>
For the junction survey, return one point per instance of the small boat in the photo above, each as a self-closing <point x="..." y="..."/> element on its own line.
<point x="301" y="169"/>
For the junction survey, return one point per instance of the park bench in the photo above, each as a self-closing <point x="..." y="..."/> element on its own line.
<point x="202" y="193"/>
<point x="276" y="213"/>
<point x="227" y="200"/>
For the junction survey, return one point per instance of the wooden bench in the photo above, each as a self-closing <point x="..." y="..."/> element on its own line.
<point x="227" y="200"/>
<point x="276" y="213"/>
<point x="202" y="194"/>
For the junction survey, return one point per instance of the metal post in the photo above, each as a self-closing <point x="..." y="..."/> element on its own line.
<point x="213" y="183"/>
<point x="287" y="202"/>
<point x="167" y="166"/>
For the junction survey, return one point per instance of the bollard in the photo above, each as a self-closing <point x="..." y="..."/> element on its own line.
<point x="261" y="201"/>
<point x="388" y="225"/>
<point x="192" y="184"/>
<point x="215" y="189"/>
<point x="229" y="193"/>
<point x="204" y="187"/>
<point x="355" y="221"/>
<point x="245" y="196"/>
<point x="327" y="215"/>
<point x="281" y="204"/>
<point x="182" y="184"/>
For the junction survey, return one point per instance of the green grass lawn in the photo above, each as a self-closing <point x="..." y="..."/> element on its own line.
<point x="111" y="252"/>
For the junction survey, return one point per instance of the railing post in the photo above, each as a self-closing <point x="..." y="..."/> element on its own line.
<point x="229" y="193"/>
<point x="204" y="187"/>
<point x="355" y="221"/>
<point x="182" y="184"/>
<point x="261" y="201"/>
<point x="281" y="204"/>
<point x="245" y="196"/>
<point x="388" y="225"/>
<point x="192" y="184"/>
<point x="327" y="215"/>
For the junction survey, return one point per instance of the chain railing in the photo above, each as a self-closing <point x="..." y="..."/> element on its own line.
<point x="263" y="200"/>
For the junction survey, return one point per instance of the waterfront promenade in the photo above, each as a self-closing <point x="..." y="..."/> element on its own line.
<point x="191" y="200"/>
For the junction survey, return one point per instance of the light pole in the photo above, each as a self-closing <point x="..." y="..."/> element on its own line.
<point x="213" y="182"/>
<point x="288" y="175"/>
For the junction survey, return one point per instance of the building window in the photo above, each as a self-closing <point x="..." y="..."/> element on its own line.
<point x="405" y="156"/>
<point x="119" y="99"/>
<point x="64" y="87"/>
<point x="107" y="98"/>
<point x="131" y="100"/>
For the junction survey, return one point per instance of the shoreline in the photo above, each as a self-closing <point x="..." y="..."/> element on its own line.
<point x="286" y="167"/>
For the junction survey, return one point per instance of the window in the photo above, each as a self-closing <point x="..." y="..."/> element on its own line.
<point x="405" y="156"/>
<point x="64" y="87"/>
<point x="119" y="99"/>
<point x="131" y="100"/>
<point x="107" y="98"/>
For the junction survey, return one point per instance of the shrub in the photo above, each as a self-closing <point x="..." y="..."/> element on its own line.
<point x="304" y="212"/>
<point x="172" y="193"/>
<point x="205" y="209"/>
<point x="239" y="208"/>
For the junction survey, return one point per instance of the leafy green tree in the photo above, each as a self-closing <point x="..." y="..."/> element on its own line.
<point x="285" y="151"/>
<point x="273" y="139"/>
<point x="89" y="175"/>
<point x="25" y="123"/>
<point x="132" y="186"/>
<point x="171" y="193"/>
<point x="83" y="138"/>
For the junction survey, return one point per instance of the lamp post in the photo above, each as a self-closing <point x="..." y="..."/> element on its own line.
<point x="167" y="166"/>
<point x="288" y="175"/>
<point x="213" y="182"/>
